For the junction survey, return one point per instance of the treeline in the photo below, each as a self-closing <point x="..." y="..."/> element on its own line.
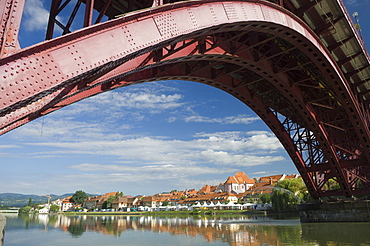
<point x="4" y="207"/>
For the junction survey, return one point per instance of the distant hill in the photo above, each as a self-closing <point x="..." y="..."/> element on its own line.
<point x="19" y="200"/>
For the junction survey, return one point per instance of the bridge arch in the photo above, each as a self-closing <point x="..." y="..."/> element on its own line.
<point x="256" y="51"/>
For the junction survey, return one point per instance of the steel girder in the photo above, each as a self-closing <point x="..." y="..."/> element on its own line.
<point x="256" y="51"/>
<point x="11" y="15"/>
<point x="106" y="8"/>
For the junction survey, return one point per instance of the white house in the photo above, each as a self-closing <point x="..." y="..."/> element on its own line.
<point x="239" y="183"/>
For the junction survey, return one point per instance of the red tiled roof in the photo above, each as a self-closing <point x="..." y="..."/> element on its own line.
<point x="222" y="197"/>
<point x="94" y="198"/>
<point x="273" y="177"/>
<point x="205" y="189"/>
<point x="243" y="178"/>
<point x="191" y="191"/>
<point x="293" y="176"/>
<point x="148" y="199"/>
<point x="231" y="180"/>
<point x="213" y="188"/>
<point x="110" y="194"/>
<point x="259" y="190"/>
<point x="68" y="199"/>
<point x="239" y="178"/>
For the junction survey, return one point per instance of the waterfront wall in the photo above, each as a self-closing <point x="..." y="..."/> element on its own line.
<point x="2" y="229"/>
<point x="356" y="211"/>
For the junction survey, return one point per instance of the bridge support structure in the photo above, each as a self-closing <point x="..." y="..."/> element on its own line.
<point x="354" y="211"/>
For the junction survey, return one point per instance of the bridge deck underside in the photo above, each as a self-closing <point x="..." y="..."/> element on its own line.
<point x="260" y="53"/>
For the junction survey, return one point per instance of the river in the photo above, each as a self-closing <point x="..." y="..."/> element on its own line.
<point x="162" y="230"/>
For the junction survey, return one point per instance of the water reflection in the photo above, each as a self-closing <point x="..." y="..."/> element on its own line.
<point x="231" y="230"/>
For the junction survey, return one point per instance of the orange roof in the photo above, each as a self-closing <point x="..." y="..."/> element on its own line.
<point x="110" y="194"/>
<point x="148" y="199"/>
<point x="231" y="180"/>
<point x="222" y="197"/>
<point x="205" y="189"/>
<point x="259" y="190"/>
<point x="191" y="191"/>
<point x="243" y="178"/>
<point x="260" y="184"/>
<point x="293" y="176"/>
<point x="67" y="200"/>
<point x="273" y="177"/>
<point x="94" y="198"/>
<point x="239" y="178"/>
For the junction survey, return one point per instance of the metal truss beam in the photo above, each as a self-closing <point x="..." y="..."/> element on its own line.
<point x="11" y="15"/>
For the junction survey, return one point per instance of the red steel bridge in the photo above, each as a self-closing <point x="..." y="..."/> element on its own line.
<point x="300" y="65"/>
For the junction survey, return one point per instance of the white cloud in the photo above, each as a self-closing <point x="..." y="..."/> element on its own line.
<point x="260" y="173"/>
<point x="67" y="129"/>
<point x="352" y="2"/>
<point x="357" y="3"/>
<point x="138" y="100"/>
<point x="239" y="119"/>
<point x="36" y="15"/>
<point x="225" y="158"/>
<point x="236" y="141"/>
<point x="155" y="172"/>
<point x="8" y="146"/>
<point x="263" y="141"/>
<point x="159" y="151"/>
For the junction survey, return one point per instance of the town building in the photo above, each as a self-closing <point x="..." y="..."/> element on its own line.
<point x="239" y="183"/>
<point x="67" y="203"/>
<point x="119" y="203"/>
<point x="236" y="189"/>
<point x="97" y="202"/>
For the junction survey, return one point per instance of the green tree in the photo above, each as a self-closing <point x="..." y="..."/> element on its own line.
<point x="119" y="194"/>
<point x="165" y="203"/>
<point x="30" y="202"/>
<point x="108" y="202"/>
<point x="24" y="210"/>
<point x="79" y="197"/>
<point x="265" y="198"/>
<point x="291" y="193"/>
<point x="54" y="208"/>
<point x="331" y="184"/>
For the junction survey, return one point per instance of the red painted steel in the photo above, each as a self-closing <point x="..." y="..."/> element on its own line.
<point x="11" y="15"/>
<point x="255" y="50"/>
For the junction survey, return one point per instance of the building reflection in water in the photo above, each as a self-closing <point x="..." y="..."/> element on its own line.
<point x="233" y="230"/>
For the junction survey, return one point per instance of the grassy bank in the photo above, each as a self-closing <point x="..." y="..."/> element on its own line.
<point x="198" y="212"/>
<point x="102" y="213"/>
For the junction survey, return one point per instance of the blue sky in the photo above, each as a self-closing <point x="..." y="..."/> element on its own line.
<point x="141" y="139"/>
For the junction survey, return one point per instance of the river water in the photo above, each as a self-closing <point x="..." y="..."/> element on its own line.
<point x="148" y="230"/>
